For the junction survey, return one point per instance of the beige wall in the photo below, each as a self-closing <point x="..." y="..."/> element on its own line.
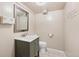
<point x="52" y="23"/>
<point x="6" y="31"/>
<point x="72" y="29"/>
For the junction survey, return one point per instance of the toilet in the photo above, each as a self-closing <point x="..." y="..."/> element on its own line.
<point x="43" y="49"/>
<point x="43" y="46"/>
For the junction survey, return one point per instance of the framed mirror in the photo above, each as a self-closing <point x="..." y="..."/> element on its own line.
<point x="21" y="19"/>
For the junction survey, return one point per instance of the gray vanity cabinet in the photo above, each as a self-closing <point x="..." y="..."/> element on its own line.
<point x="27" y="49"/>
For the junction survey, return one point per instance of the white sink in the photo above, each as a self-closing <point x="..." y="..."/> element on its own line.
<point x="27" y="38"/>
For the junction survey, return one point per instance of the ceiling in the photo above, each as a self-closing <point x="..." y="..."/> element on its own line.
<point x="50" y="6"/>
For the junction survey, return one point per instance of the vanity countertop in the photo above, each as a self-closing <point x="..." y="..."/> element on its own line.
<point x="27" y="38"/>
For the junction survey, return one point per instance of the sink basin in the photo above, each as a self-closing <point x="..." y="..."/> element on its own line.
<point x="28" y="38"/>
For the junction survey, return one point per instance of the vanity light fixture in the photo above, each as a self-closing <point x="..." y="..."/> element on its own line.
<point x="45" y="11"/>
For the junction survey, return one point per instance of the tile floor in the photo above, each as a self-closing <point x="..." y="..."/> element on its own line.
<point x="52" y="53"/>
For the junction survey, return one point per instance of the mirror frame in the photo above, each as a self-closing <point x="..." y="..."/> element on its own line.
<point x="14" y="10"/>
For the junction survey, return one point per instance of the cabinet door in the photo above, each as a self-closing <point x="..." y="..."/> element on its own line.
<point x="34" y="48"/>
<point x="22" y="49"/>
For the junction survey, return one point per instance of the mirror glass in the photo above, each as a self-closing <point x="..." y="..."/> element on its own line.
<point x="21" y="19"/>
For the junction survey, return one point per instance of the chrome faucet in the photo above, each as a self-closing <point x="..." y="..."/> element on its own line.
<point x="23" y="35"/>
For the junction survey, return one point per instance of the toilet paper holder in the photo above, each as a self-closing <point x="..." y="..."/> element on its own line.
<point x="50" y="35"/>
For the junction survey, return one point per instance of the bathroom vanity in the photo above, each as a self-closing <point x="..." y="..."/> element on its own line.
<point x="27" y="46"/>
